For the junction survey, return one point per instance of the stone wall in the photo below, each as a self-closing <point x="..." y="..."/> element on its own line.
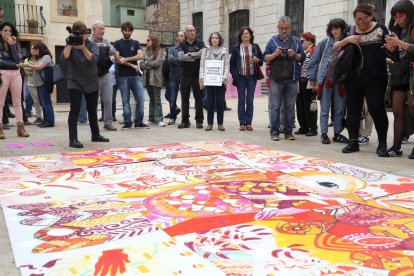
<point x="163" y="16"/>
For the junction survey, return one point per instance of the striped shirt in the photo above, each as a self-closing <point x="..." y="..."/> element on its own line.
<point x="246" y="66"/>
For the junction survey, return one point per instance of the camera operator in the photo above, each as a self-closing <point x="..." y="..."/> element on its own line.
<point x="283" y="52"/>
<point x="80" y="62"/>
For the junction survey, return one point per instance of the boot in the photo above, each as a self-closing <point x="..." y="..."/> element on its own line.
<point x="2" y="136"/>
<point x="21" y="132"/>
<point x="352" y="146"/>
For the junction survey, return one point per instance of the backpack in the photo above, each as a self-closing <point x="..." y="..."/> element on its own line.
<point x="344" y="63"/>
<point x="104" y="62"/>
<point x="281" y="68"/>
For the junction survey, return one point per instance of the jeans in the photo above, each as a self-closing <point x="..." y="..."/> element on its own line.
<point x="35" y="99"/>
<point x="134" y="84"/>
<point x="105" y="92"/>
<point x="155" y="107"/>
<point x="215" y="99"/>
<point x="46" y="104"/>
<point x="28" y="100"/>
<point x="188" y="82"/>
<point x="83" y="114"/>
<point x="173" y="86"/>
<point x="339" y="109"/>
<point x="91" y="100"/>
<point x="245" y="89"/>
<point x="13" y="80"/>
<point x="114" y="92"/>
<point x="288" y="90"/>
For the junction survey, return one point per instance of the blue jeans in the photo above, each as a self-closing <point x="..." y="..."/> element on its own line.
<point x="28" y="100"/>
<point x="172" y="88"/>
<point x="83" y="114"/>
<point x="287" y="90"/>
<point x="134" y="84"/>
<point x="46" y="104"/>
<point x="245" y="89"/>
<point x="339" y="109"/>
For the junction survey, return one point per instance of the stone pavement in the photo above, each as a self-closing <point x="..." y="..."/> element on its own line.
<point x="310" y="146"/>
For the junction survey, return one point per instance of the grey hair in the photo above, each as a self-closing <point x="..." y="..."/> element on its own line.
<point x="285" y="19"/>
<point x="96" y="23"/>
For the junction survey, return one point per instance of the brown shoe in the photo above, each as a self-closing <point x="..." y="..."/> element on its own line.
<point x="21" y="132"/>
<point x="242" y="128"/>
<point x="249" y="128"/>
<point x="221" y="128"/>
<point x="2" y="136"/>
<point x="109" y="127"/>
<point x="209" y="127"/>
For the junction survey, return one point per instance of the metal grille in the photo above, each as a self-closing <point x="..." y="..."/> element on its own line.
<point x="295" y="10"/>
<point x="237" y="20"/>
<point x="379" y="11"/>
<point x="198" y="25"/>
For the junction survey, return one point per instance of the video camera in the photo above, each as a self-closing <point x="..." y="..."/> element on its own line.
<point x="75" y="37"/>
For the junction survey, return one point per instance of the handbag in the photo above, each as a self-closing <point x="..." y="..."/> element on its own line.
<point x="57" y="74"/>
<point x="400" y="73"/>
<point x="260" y="75"/>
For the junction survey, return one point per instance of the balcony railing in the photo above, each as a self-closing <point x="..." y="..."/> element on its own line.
<point x="27" y="18"/>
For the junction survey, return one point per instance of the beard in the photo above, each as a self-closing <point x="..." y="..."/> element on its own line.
<point x="127" y="36"/>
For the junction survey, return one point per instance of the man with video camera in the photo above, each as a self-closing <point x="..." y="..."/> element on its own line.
<point x="283" y="53"/>
<point x="80" y="57"/>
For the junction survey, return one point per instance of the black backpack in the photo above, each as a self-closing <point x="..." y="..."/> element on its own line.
<point x="281" y="68"/>
<point x="104" y="62"/>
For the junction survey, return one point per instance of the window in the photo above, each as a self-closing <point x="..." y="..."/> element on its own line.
<point x="379" y="11"/>
<point x="237" y="20"/>
<point x="198" y="24"/>
<point x="295" y="10"/>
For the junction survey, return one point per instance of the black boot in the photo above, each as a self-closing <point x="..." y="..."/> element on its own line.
<point x="382" y="149"/>
<point x="352" y="146"/>
<point x="74" y="143"/>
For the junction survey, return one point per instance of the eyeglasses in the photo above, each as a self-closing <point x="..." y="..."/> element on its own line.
<point x="283" y="28"/>
<point x="398" y="16"/>
<point x="361" y="19"/>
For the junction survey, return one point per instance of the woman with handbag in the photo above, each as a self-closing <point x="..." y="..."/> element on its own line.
<point x="243" y="68"/>
<point x="328" y="96"/>
<point x="152" y="78"/>
<point x="215" y="94"/>
<point x="44" y="59"/>
<point x="307" y="117"/>
<point x="400" y="44"/>
<point x="10" y="75"/>
<point x="371" y="80"/>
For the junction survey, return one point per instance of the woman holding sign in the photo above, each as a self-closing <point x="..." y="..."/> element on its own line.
<point x="214" y="68"/>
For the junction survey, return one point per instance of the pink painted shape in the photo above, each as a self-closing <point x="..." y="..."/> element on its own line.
<point x="42" y="144"/>
<point x="17" y="146"/>
<point x="231" y="91"/>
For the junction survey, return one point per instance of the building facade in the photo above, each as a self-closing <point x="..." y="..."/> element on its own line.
<point x="227" y="16"/>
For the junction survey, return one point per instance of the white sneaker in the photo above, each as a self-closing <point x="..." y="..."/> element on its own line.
<point x="161" y="124"/>
<point x="171" y="122"/>
<point x="363" y="140"/>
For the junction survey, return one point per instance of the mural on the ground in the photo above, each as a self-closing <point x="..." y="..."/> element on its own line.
<point x="205" y="208"/>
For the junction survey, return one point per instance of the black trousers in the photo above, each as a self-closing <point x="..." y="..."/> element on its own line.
<point x="75" y="97"/>
<point x="188" y="82"/>
<point x="375" y="96"/>
<point x="307" y="119"/>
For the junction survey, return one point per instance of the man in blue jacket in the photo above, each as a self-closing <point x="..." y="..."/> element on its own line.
<point x="283" y="53"/>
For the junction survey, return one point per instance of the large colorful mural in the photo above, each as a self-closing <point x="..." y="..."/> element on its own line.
<point x="204" y="208"/>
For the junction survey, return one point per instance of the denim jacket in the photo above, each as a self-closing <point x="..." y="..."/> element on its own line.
<point x="176" y="69"/>
<point x="276" y="42"/>
<point x="316" y="59"/>
<point x="235" y="60"/>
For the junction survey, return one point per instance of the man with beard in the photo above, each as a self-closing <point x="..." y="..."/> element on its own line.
<point x="128" y="52"/>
